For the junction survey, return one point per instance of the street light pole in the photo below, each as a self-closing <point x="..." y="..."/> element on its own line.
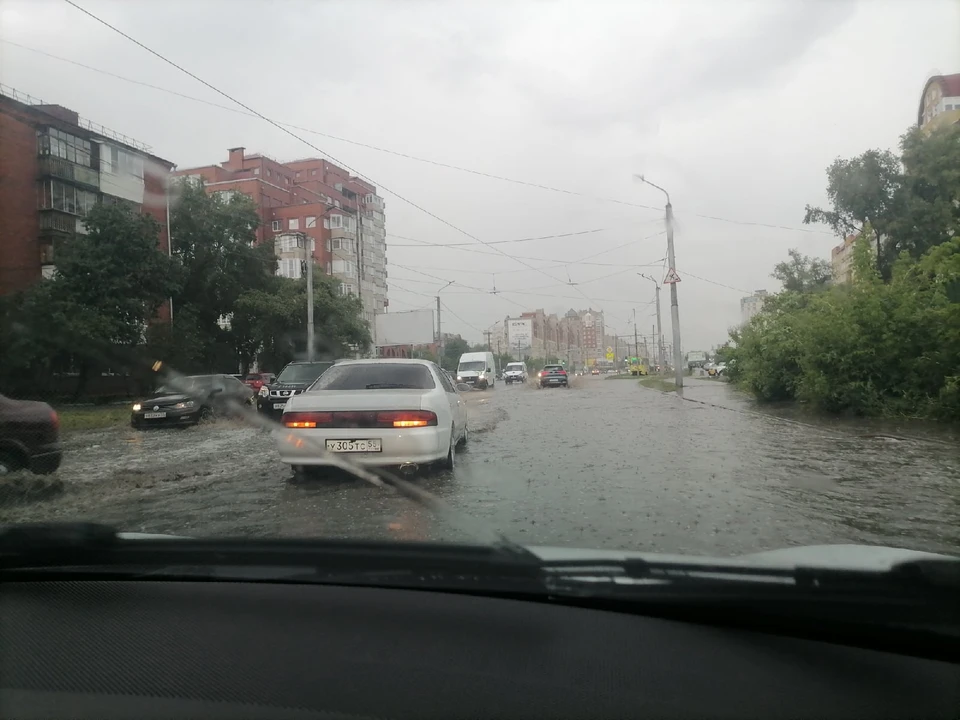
<point x="661" y="360"/>
<point x="308" y="269"/>
<point x="674" y="309"/>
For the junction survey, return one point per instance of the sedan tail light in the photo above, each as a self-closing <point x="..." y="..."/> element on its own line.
<point x="307" y="419"/>
<point x="406" y="418"/>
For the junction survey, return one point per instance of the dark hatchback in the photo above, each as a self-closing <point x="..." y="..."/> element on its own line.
<point x="292" y="380"/>
<point x="29" y="436"/>
<point x="191" y="400"/>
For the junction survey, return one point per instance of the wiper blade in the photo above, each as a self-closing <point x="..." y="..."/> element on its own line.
<point x="910" y="575"/>
<point x="391" y="386"/>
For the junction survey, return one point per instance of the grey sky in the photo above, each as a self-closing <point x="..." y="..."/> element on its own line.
<point x="735" y="108"/>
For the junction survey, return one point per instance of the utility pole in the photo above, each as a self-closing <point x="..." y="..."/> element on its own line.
<point x="308" y="263"/>
<point x="636" y="341"/>
<point x="674" y="309"/>
<point x="439" y="333"/>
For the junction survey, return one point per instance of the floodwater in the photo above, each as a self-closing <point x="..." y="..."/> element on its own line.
<point x="605" y="463"/>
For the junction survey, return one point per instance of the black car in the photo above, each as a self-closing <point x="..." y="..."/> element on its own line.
<point x="29" y="436"/>
<point x="191" y="400"/>
<point x="293" y="379"/>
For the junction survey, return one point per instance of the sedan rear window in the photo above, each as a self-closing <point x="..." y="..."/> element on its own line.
<point x="553" y="367"/>
<point x="376" y="376"/>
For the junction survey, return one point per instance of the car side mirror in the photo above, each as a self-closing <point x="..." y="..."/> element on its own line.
<point x="463" y="387"/>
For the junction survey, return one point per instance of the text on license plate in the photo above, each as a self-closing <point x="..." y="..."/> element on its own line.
<point x="154" y="416"/>
<point x="279" y="406"/>
<point x="372" y="445"/>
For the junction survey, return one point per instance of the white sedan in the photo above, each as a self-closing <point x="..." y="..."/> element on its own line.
<point x="402" y="413"/>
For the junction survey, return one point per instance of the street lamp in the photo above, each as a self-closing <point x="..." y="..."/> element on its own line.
<point x="660" y="358"/>
<point x="674" y="310"/>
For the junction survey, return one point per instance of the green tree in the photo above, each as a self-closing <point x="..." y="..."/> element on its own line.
<point x="861" y="190"/>
<point x="928" y="203"/>
<point x="109" y="284"/>
<point x="801" y="273"/>
<point x="214" y="240"/>
<point x="270" y="324"/>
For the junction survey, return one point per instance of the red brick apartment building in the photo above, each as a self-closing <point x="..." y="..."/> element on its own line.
<point x="54" y="166"/>
<point x="316" y="198"/>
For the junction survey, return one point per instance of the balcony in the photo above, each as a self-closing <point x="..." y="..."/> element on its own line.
<point x="341" y="233"/>
<point x="56" y="224"/>
<point x="66" y="170"/>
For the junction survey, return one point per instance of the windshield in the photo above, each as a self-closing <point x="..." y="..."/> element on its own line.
<point x="380" y="376"/>
<point x="187" y="385"/>
<point x="299" y="374"/>
<point x="700" y="260"/>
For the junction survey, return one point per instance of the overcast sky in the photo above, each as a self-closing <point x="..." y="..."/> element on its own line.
<point x="735" y="108"/>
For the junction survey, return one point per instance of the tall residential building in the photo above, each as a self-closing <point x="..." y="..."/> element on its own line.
<point x="751" y="305"/>
<point x="939" y="102"/>
<point x="841" y="261"/>
<point x="54" y="166"/>
<point x="317" y="199"/>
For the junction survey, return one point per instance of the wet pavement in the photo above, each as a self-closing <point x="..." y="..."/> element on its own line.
<point x="603" y="464"/>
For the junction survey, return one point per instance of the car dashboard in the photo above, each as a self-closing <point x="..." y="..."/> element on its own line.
<point x="157" y="649"/>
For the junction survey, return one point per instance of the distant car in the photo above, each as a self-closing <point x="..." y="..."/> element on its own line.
<point x="552" y="376"/>
<point x="29" y="436"/>
<point x="595" y="371"/>
<point x="717" y="370"/>
<point x="257" y="380"/>
<point x="387" y="412"/>
<point x="292" y="380"/>
<point x="515" y="372"/>
<point x="191" y="400"/>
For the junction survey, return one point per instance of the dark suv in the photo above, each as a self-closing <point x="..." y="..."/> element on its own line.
<point x="293" y="379"/>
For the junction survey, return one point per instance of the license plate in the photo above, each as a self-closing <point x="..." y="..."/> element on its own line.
<point x="372" y="445"/>
<point x="154" y="416"/>
<point x="554" y="380"/>
<point x="279" y="406"/>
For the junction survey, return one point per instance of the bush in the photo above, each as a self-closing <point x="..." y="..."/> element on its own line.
<point x="870" y="348"/>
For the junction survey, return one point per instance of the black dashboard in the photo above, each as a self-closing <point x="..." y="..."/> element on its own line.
<point x="160" y="649"/>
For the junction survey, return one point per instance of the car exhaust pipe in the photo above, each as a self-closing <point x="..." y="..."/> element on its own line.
<point x="409" y="468"/>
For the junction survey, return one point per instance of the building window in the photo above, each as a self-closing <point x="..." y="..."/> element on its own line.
<point x="334" y="221"/>
<point x="311" y="221"/>
<point x="328" y="268"/>
<point x="63" y="145"/>
<point x="346" y="288"/>
<point x="313" y="172"/>
<point x="55" y="195"/>
<point x="290" y="268"/>
<point x="294" y="224"/>
<point x="298" y="173"/>
<point x="120" y="162"/>
<point x="275" y="226"/>
<point x="256" y="171"/>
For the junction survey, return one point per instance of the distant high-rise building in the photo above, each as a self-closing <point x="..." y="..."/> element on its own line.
<point x="751" y="305"/>
<point x="341" y="214"/>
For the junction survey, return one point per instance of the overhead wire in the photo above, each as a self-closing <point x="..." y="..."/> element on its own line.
<point x="408" y="156"/>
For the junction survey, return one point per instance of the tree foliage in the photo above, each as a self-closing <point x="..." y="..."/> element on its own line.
<point x="908" y="203"/>
<point x="802" y="273"/>
<point x="109" y="284"/>
<point x="871" y="347"/>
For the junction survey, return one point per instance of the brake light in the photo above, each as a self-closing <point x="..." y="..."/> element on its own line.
<point x="406" y="418"/>
<point x="307" y="419"/>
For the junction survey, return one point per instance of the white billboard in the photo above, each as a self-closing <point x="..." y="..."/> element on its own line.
<point x="416" y="327"/>
<point x="520" y="332"/>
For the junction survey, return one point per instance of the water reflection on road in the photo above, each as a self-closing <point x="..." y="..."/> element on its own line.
<point x="604" y="464"/>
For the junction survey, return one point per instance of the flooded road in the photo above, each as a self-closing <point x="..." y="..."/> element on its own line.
<point x="603" y="464"/>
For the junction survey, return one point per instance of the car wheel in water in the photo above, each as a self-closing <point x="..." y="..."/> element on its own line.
<point x="9" y="463"/>
<point x="451" y="462"/>
<point x="206" y="416"/>
<point x="464" y="437"/>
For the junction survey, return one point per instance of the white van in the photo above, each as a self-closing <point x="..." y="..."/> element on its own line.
<point x="515" y="372"/>
<point x="477" y="368"/>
